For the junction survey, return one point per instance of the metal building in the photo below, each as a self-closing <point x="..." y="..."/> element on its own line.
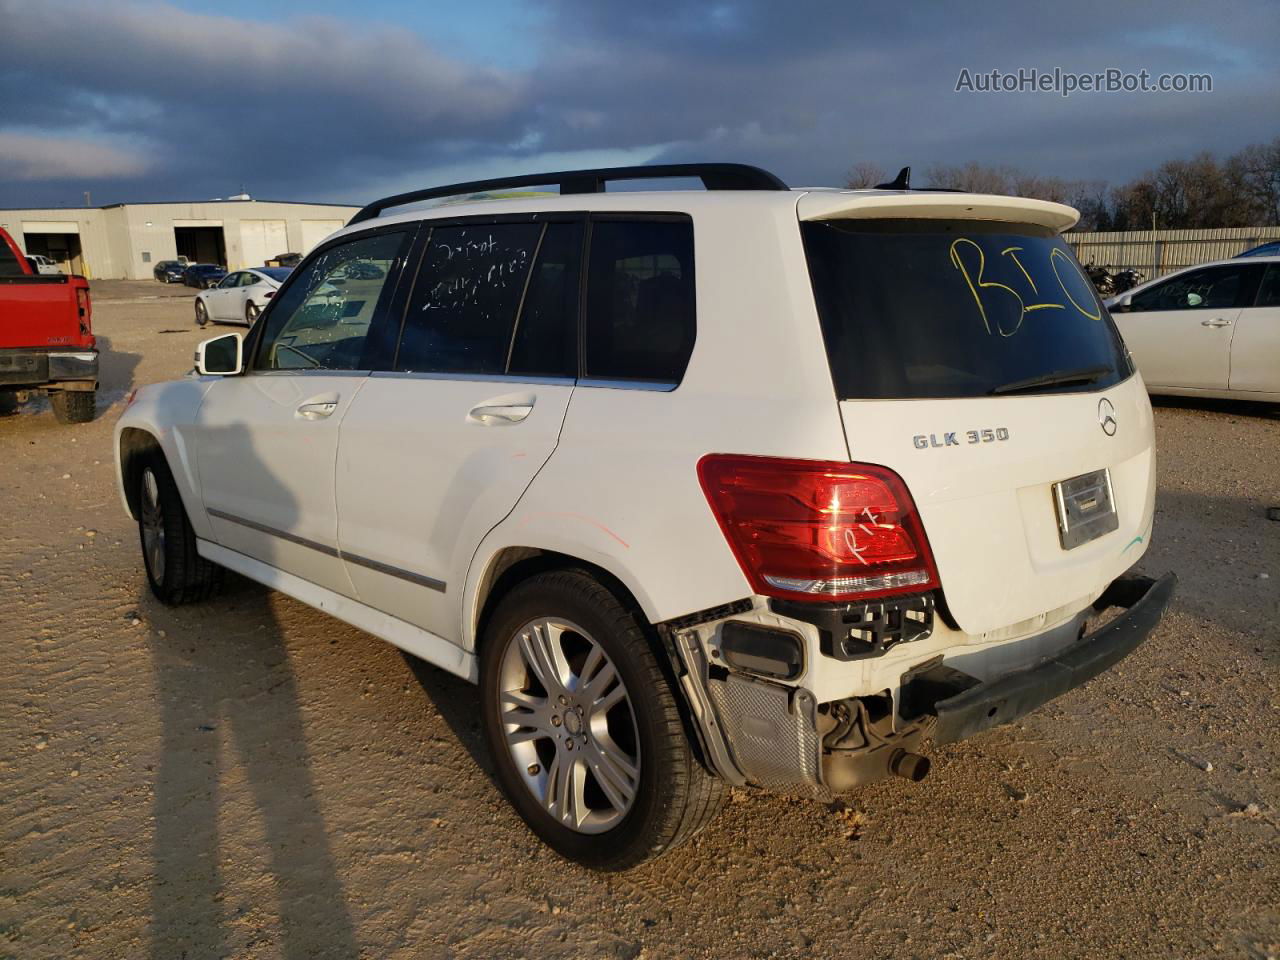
<point x="126" y="240"/>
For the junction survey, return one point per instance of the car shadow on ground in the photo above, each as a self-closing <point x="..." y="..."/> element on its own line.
<point x="458" y="703"/>
<point x="115" y="373"/>
<point x="228" y="699"/>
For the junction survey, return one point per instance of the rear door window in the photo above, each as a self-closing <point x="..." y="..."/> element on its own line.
<point x="466" y="296"/>
<point x="640" y="320"/>
<point x="496" y="299"/>
<point x="942" y="309"/>
<point x="1269" y="291"/>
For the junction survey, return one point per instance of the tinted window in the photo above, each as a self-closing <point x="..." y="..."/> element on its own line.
<point x="1210" y="289"/>
<point x="463" y="309"/>
<point x="9" y="264"/>
<point x="640" y="300"/>
<point x="231" y="280"/>
<point x="322" y="318"/>
<point x="278" y="274"/>
<point x="1269" y="291"/>
<point x="934" y="308"/>
<point x="546" y="341"/>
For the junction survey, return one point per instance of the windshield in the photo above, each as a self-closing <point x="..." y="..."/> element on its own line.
<point x="956" y="308"/>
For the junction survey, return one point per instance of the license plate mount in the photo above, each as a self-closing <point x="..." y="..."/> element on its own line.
<point x="1086" y="508"/>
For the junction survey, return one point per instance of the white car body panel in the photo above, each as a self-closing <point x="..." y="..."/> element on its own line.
<point x="264" y="463"/>
<point x="988" y="507"/>
<point x="1255" y="353"/>
<point x="413" y="527"/>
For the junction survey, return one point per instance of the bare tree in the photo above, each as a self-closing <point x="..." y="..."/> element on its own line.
<point x="864" y="174"/>
<point x="1241" y="191"/>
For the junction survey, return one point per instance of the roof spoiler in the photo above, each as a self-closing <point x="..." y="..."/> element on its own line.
<point x="714" y="176"/>
<point x="861" y="205"/>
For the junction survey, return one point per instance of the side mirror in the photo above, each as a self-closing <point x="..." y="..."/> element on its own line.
<point x="1122" y="303"/>
<point x="221" y="356"/>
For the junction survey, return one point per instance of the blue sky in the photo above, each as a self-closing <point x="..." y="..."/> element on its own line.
<point x="333" y="100"/>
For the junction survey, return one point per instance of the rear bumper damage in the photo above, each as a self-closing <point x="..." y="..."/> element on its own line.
<point x="756" y="731"/>
<point x="57" y="368"/>
<point x="1005" y="699"/>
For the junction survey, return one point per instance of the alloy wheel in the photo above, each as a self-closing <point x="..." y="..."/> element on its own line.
<point x="152" y="526"/>
<point x="569" y="725"/>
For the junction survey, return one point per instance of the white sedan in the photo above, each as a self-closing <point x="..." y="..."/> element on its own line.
<point x="240" y="296"/>
<point x="1212" y="330"/>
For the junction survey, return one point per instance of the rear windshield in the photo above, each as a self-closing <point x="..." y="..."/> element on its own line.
<point x="276" y="273"/>
<point x="957" y="308"/>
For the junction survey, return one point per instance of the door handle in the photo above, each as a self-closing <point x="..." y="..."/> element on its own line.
<point x="1215" y="323"/>
<point x="318" y="410"/>
<point x="501" y="412"/>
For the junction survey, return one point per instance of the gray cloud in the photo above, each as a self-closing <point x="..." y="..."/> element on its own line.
<point x="25" y="157"/>
<point x="317" y="108"/>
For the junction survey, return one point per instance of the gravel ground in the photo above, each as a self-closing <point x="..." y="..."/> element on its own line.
<point x="249" y="778"/>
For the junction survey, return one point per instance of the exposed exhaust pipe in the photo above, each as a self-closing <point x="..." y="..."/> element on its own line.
<point x="912" y="766"/>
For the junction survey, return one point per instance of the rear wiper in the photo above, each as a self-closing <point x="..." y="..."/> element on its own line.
<point x="1057" y="378"/>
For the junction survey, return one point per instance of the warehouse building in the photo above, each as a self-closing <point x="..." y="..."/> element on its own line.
<point x="127" y="240"/>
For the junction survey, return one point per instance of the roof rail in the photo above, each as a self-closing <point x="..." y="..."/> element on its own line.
<point x="714" y="176"/>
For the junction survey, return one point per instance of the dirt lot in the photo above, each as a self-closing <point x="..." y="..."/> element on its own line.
<point x="249" y="778"/>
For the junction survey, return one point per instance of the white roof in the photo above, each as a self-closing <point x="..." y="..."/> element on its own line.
<point x="809" y="203"/>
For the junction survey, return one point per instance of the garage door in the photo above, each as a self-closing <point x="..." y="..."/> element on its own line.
<point x="313" y="231"/>
<point x="260" y="240"/>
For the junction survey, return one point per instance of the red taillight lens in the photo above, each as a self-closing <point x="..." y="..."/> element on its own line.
<point x="815" y="530"/>
<point x="85" y="309"/>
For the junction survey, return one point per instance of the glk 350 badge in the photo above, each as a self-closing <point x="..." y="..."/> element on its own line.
<point x="958" y="438"/>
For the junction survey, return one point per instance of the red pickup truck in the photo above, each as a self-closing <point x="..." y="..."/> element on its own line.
<point x="46" y="337"/>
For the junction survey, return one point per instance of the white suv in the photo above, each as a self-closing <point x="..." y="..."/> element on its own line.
<point x="749" y="485"/>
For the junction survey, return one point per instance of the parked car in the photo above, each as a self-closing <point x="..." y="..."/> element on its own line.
<point x="203" y="275"/>
<point x="170" y="271"/>
<point x="46" y="337"/>
<point x="239" y="297"/>
<point x="1270" y="249"/>
<point x="285" y="260"/>
<point x="43" y="265"/>
<point x="714" y="513"/>
<point x="1211" y="330"/>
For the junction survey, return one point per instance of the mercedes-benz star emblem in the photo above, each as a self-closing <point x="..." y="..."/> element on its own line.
<point x="1107" y="417"/>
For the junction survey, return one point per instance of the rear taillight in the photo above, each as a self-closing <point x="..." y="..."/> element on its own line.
<point x="268" y="295"/>
<point x="816" y="530"/>
<point x="85" y="311"/>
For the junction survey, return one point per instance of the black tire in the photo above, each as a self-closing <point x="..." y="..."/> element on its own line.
<point x="202" y="313"/>
<point x="8" y="402"/>
<point x="176" y="572"/>
<point x="676" y="796"/>
<point x="74" y="406"/>
<point x="251" y="312"/>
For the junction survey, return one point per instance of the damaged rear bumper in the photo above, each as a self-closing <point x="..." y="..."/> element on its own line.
<point x="777" y="737"/>
<point x="1005" y="699"/>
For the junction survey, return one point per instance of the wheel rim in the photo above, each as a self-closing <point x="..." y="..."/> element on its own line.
<point x="251" y="312"/>
<point x="152" y="526"/>
<point x="569" y="725"/>
<point x="201" y="314"/>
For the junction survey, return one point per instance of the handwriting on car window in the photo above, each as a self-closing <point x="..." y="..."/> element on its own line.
<point x="971" y="260"/>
